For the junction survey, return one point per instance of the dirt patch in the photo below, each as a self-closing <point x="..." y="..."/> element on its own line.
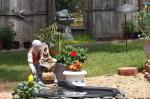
<point x="7" y="86"/>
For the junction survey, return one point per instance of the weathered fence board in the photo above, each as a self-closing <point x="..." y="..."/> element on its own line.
<point x="26" y="16"/>
<point x="106" y="23"/>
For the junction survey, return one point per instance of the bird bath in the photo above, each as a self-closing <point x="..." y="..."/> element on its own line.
<point x="65" y="20"/>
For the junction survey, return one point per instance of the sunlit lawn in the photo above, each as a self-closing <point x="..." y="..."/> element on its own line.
<point x="102" y="59"/>
<point x="106" y="58"/>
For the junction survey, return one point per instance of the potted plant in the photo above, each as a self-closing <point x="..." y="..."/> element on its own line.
<point x="129" y="28"/>
<point x="2" y="37"/>
<point x="26" y="41"/>
<point x="7" y="37"/>
<point x="51" y="37"/>
<point x="27" y="44"/>
<point x="72" y="57"/>
<point x="16" y="44"/>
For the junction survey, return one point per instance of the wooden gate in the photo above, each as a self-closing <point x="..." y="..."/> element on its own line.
<point x="104" y="21"/>
<point x="26" y="16"/>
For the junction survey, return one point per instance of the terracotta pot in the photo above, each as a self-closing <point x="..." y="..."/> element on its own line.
<point x="53" y="52"/>
<point x="75" y="67"/>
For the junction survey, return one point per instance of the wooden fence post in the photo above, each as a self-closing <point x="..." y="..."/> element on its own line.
<point x="51" y="8"/>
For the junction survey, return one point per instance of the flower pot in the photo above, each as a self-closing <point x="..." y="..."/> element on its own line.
<point x="15" y="44"/>
<point x="75" y="77"/>
<point x="1" y="45"/>
<point x="27" y="44"/>
<point x="8" y="44"/>
<point x="125" y="36"/>
<point x="75" y="67"/>
<point x="53" y="52"/>
<point x="58" y="70"/>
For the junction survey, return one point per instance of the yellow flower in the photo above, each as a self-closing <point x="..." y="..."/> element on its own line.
<point x="30" y="78"/>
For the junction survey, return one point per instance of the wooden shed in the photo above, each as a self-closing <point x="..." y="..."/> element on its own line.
<point x="26" y="16"/>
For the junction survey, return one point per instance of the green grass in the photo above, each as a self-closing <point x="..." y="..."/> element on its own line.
<point x="13" y="66"/>
<point x="106" y="58"/>
<point x="102" y="59"/>
<point x="80" y="38"/>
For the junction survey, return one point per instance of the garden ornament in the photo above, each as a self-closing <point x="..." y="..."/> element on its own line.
<point x="33" y="59"/>
<point x="47" y="64"/>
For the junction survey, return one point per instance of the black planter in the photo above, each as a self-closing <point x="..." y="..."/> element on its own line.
<point x="125" y="36"/>
<point x="27" y="44"/>
<point x="1" y="45"/>
<point x="16" y="44"/>
<point x="8" y="44"/>
<point x="134" y="35"/>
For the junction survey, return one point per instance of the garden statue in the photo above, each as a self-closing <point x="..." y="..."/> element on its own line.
<point x="41" y="63"/>
<point x="47" y="64"/>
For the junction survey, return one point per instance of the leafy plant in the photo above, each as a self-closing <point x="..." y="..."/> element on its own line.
<point x="143" y="21"/>
<point x="129" y="27"/>
<point x="50" y="35"/>
<point x="69" y="55"/>
<point x="69" y="4"/>
<point x="25" y="89"/>
<point x="7" y="34"/>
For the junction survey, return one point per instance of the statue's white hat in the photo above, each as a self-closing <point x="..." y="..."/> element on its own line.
<point x="36" y="43"/>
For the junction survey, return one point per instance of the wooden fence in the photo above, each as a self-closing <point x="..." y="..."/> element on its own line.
<point x="26" y="16"/>
<point x="104" y="21"/>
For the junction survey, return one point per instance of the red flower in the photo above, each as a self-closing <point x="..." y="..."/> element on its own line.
<point x="73" y="54"/>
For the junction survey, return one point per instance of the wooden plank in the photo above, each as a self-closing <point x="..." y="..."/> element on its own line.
<point x="25" y="14"/>
<point x="51" y="11"/>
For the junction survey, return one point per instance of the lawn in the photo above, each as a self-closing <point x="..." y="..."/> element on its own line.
<point x="102" y="59"/>
<point x="106" y="58"/>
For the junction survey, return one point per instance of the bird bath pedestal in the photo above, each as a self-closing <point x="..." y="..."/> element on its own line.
<point x="65" y="20"/>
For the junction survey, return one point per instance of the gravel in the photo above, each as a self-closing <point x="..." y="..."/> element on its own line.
<point x="134" y="87"/>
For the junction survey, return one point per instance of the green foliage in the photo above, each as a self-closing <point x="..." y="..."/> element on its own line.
<point x="49" y="35"/>
<point x="71" y="5"/>
<point x="69" y="55"/>
<point x="25" y="89"/>
<point x="143" y="21"/>
<point x="129" y="27"/>
<point x="7" y="34"/>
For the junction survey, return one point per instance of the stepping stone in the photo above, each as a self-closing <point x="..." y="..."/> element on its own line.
<point x="128" y="71"/>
